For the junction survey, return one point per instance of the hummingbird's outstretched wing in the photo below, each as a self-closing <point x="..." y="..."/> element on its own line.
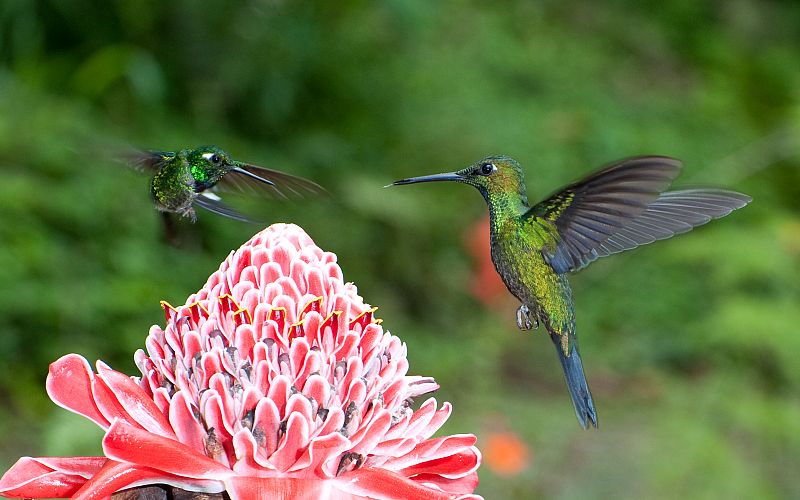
<point x="148" y="161"/>
<point x="623" y="206"/>
<point x="213" y="203"/>
<point x="286" y="186"/>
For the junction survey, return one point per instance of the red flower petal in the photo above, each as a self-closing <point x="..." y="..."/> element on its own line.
<point x="69" y="385"/>
<point x="135" y="401"/>
<point x="432" y="449"/>
<point x="293" y="445"/>
<point x="384" y="484"/>
<point x="317" y="388"/>
<point x="187" y="429"/>
<point x="128" y="444"/>
<point x="366" y="438"/>
<point x="451" y="466"/>
<point x="316" y="281"/>
<point x="418" y="386"/>
<point x="250" y="460"/>
<point x="265" y="423"/>
<point x="300" y="404"/>
<point x="52" y="477"/>
<point x="249" y="488"/>
<point x="213" y="413"/>
<point x="419" y="420"/>
<point x="333" y="422"/>
<point x="108" y="404"/>
<point x="438" y="420"/>
<point x="393" y="448"/>
<point x="279" y="391"/>
<point x="458" y="486"/>
<point x="115" y="476"/>
<point x="320" y="451"/>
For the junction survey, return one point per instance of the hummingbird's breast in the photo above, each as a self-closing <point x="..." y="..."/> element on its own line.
<point x="516" y="253"/>
<point x="172" y="186"/>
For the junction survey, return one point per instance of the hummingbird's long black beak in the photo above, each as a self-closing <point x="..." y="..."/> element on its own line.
<point x="451" y="176"/>
<point x="240" y="170"/>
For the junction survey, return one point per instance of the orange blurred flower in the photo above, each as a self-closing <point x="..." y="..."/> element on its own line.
<point x="505" y="453"/>
<point x="485" y="285"/>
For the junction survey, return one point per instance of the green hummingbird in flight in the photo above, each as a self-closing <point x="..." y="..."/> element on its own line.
<point x="533" y="248"/>
<point x="192" y="178"/>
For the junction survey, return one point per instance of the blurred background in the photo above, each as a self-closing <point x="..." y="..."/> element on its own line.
<point x="690" y="345"/>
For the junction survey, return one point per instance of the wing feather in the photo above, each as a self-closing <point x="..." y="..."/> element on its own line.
<point x="147" y="161"/>
<point x="624" y="206"/>
<point x="213" y="203"/>
<point x="286" y="186"/>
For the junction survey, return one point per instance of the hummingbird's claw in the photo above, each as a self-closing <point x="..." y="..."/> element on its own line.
<point x="525" y="320"/>
<point x="190" y="213"/>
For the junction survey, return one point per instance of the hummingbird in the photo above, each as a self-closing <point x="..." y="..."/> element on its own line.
<point x="188" y="178"/>
<point x="534" y="248"/>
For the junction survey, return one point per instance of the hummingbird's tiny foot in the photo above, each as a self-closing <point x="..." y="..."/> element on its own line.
<point x="524" y="319"/>
<point x="191" y="214"/>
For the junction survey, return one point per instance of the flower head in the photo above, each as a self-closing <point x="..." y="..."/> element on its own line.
<point x="275" y="378"/>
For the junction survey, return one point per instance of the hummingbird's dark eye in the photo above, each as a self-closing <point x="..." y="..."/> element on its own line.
<point x="487" y="169"/>
<point x="214" y="159"/>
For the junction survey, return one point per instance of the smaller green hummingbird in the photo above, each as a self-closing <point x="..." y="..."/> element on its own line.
<point x="617" y="208"/>
<point x="191" y="177"/>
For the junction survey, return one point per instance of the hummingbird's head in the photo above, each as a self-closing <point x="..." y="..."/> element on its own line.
<point x="208" y="164"/>
<point x="495" y="177"/>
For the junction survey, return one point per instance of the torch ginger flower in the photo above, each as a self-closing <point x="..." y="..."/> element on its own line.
<point x="274" y="380"/>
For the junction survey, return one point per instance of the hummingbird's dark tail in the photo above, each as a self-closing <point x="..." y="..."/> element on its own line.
<point x="576" y="382"/>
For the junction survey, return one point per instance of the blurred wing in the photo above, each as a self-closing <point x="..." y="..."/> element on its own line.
<point x="674" y="212"/>
<point x="286" y="186"/>
<point x="147" y="161"/>
<point x="622" y="207"/>
<point x="213" y="203"/>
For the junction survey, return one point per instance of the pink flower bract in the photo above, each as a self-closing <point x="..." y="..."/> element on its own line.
<point x="274" y="380"/>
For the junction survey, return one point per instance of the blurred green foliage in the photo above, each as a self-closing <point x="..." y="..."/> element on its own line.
<point x="690" y="345"/>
